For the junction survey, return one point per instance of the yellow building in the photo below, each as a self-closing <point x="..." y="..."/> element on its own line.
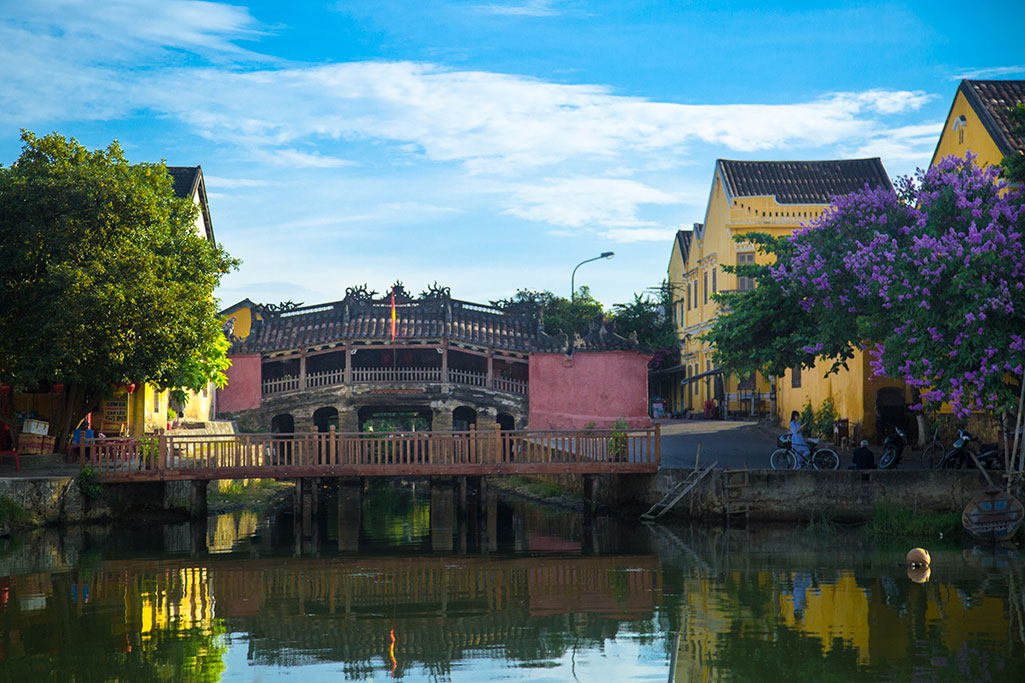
<point x="978" y="122"/>
<point x="774" y="197"/>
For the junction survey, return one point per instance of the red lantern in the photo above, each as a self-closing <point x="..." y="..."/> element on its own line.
<point x="5" y="389"/>
<point x="58" y="388"/>
<point x="130" y="387"/>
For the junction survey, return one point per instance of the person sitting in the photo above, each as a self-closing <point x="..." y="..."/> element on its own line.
<point x="862" y="458"/>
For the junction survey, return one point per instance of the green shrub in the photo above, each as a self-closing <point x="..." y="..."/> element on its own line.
<point x="617" y="444"/>
<point x="825" y="416"/>
<point x="11" y="512"/>
<point x="88" y="482"/>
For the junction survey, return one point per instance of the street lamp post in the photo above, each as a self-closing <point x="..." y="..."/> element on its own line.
<point x="572" y="278"/>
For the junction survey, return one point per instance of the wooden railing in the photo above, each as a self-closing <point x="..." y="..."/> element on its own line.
<point x="382" y="375"/>
<point x="240" y="456"/>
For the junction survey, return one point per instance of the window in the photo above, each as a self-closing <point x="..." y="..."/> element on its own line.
<point x="795" y="378"/>
<point x="688" y="296"/>
<point x="714" y="290"/>
<point x="744" y="283"/>
<point x="706" y="286"/>
<point x="747" y="383"/>
<point x="156" y="401"/>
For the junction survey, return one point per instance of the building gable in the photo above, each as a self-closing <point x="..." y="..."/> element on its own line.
<point x="978" y="121"/>
<point x="188" y="183"/>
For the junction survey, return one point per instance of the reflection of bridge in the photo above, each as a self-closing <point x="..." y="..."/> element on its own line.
<point x="345" y="609"/>
<point x="334" y="454"/>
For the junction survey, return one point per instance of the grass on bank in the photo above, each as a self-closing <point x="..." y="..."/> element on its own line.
<point x="243" y="493"/>
<point x="889" y="520"/>
<point x="540" y="488"/>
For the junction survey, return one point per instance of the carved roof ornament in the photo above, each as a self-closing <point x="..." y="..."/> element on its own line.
<point x="400" y="293"/>
<point x="434" y="291"/>
<point x="360" y="293"/>
<point x="277" y="309"/>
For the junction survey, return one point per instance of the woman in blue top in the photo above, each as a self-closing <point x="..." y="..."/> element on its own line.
<point x="796" y="438"/>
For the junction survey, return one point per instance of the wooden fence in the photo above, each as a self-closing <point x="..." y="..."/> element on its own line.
<point x="473" y="452"/>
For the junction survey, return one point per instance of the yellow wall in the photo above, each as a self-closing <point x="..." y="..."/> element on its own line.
<point x="852" y="392"/>
<point x="243" y="320"/>
<point x="975" y="139"/>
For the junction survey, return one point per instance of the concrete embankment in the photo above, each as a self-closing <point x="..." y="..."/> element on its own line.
<point x="797" y="496"/>
<point x="51" y="500"/>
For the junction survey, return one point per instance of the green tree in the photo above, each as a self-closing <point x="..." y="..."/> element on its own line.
<point x="103" y="278"/>
<point x="651" y="320"/>
<point x="555" y="313"/>
<point x="1014" y="164"/>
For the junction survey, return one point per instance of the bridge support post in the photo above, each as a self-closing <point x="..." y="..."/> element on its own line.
<point x="350" y="513"/>
<point x="197" y="499"/>
<point x="442" y="514"/>
<point x="590" y="492"/>
<point x="306" y="503"/>
<point x="492" y="521"/>
<point x="462" y="496"/>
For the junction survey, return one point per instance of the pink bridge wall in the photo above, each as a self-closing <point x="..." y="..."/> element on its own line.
<point x="598" y="387"/>
<point x="244" y="384"/>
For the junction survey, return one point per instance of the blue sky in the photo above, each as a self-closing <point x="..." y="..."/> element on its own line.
<point x="487" y="145"/>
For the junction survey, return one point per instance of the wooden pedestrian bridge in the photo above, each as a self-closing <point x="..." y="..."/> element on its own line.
<point x="168" y="457"/>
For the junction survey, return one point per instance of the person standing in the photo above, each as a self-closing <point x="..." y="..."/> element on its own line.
<point x="797" y="438"/>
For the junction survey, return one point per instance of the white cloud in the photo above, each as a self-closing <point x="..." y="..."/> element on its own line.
<point x="230" y="183"/>
<point x="627" y="235"/>
<point x="575" y="202"/>
<point x="904" y="144"/>
<point x="299" y="159"/>
<point x="990" y="72"/>
<point x="533" y="8"/>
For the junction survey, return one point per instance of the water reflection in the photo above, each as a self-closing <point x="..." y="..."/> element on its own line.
<point x="399" y="586"/>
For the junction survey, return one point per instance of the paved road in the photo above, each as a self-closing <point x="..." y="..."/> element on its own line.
<point x="733" y="444"/>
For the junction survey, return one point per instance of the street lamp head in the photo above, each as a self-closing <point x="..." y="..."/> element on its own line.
<point x="608" y="254"/>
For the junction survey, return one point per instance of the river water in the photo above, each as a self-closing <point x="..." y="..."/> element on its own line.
<point x="395" y="588"/>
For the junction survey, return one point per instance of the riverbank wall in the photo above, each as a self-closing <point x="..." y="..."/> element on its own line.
<point x="795" y="496"/>
<point x="50" y="500"/>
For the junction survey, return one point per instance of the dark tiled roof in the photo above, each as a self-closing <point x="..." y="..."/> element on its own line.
<point x="360" y="317"/>
<point x="990" y="100"/>
<point x="683" y="238"/>
<point x="801" y="182"/>
<point x="185" y="179"/>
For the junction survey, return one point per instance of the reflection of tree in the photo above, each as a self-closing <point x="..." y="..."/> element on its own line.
<point x="69" y="640"/>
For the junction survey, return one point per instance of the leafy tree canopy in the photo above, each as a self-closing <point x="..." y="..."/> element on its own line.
<point x="103" y="278"/>
<point x="1014" y="164"/>
<point x="929" y="280"/>
<point x="556" y="314"/>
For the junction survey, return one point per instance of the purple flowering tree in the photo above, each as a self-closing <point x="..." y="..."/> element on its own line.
<point x="930" y="280"/>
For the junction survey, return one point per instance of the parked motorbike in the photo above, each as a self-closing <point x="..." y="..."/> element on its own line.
<point x="893" y="449"/>
<point x="959" y="456"/>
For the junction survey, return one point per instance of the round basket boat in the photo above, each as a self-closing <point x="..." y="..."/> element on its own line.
<point x="992" y="516"/>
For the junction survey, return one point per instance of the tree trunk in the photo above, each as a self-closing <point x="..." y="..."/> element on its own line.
<point x="916" y="398"/>
<point x="76" y="402"/>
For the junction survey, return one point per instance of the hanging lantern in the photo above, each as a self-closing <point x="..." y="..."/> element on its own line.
<point x="130" y="387"/>
<point x="5" y="389"/>
<point x="57" y="388"/>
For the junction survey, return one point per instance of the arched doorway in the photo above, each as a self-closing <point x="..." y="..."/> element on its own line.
<point x="890" y="407"/>
<point x="506" y="422"/>
<point x="281" y="446"/>
<point x="395" y="419"/>
<point x="282" y="424"/>
<point x="325" y="418"/>
<point x="463" y="417"/>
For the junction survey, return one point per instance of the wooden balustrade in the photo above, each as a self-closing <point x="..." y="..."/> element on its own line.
<point x="383" y="375"/>
<point x="472" y="452"/>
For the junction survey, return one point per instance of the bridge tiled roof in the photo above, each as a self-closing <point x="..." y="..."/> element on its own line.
<point x="434" y="315"/>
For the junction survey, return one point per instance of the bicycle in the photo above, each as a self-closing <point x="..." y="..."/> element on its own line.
<point x="786" y="457"/>
<point x="934" y="451"/>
